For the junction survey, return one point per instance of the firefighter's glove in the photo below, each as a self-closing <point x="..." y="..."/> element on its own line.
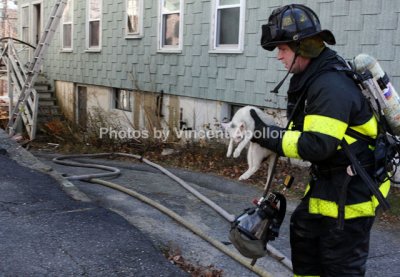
<point x="268" y="136"/>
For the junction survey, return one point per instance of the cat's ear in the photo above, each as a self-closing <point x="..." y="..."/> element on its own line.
<point x="242" y="126"/>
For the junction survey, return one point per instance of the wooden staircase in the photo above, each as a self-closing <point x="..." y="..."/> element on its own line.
<point x="23" y="78"/>
<point x="48" y="110"/>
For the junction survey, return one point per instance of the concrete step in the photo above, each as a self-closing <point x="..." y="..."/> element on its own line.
<point x="41" y="78"/>
<point x="41" y="87"/>
<point x="45" y="94"/>
<point x="49" y="110"/>
<point x="45" y="119"/>
<point x="47" y="101"/>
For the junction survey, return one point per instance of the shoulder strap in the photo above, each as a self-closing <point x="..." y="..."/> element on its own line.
<point x="357" y="78"/>
<point x="365" y="176"/>
<point x="355" y="134"/>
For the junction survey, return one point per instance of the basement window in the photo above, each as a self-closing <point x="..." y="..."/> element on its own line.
<point x="123" y="99"/>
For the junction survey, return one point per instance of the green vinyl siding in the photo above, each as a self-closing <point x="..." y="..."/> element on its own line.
<point x="369" y="26"/>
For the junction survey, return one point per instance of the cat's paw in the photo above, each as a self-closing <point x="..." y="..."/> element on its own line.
<point x="244" y="176"/>
<point x="229" y="154"/>
<point x="236" y="153"/>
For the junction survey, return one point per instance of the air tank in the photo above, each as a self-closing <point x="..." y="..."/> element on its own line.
<point x="390" y="100"/>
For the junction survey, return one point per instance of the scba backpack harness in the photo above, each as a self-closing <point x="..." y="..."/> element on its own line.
<point x="385" y="103"/>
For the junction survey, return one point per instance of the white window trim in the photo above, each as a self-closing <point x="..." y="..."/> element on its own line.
<point x="63" y="49"/>
<point x="234" y="48"/>
<point x="169" y="49"/>
<point x="31" y="19"/>
<point x="29" y="22"/>
<point x="141" y="16"/>
<point x="93" y="49"/>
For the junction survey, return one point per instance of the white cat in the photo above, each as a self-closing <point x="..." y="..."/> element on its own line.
<point x="240" y="131"/>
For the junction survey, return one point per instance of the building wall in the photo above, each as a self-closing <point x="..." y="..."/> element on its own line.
<point x="8" y="28"/>
<point x="194" y="113"/>
<point x="66" y="98"/>
<point x="369" y="26"/>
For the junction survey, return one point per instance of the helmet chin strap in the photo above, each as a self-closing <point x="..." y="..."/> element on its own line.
<point x="276" y="89"/>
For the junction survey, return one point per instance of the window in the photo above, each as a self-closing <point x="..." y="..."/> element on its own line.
<point x="25" y="24"/>
<point x="123" y="99"/>
<point x="66" y="31"/>
<point x="134" y="15"/>
<point x="94" y="25"/>
<point x="171" y="24"/>
<point x="228" y="26"/>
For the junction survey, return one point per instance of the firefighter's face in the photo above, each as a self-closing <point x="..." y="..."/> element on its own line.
<point x="286" y="55"/>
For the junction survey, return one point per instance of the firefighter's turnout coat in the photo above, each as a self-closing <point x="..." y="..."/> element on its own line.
<point x="331" y="103"/>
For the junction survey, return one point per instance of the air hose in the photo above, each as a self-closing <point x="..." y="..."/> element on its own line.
<point x="243" y="261"/>
<point x="115" y="172"/>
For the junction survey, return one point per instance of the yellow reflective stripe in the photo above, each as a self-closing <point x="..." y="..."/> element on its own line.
<point x="349" y="140"/>
<point x="370" y="128"/>
<point x="330" y="208"/>
<point x="289" y="144"/>
<point x="325" y="125"/>
<point x="384" y="189"/>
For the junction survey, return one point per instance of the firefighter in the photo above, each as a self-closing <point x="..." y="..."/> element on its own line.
<point x="330" y="229"/>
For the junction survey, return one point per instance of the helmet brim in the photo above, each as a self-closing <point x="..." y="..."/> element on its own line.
<point x="326" y="36"/>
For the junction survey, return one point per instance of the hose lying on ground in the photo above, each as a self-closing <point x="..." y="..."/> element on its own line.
<point x="243" y="261"/>
<point x="114" y="172"/>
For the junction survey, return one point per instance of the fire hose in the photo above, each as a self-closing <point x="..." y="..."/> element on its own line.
<point x="113" y="172"/>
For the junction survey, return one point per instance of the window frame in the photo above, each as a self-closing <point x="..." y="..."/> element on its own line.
<point x="161" y="35"/>
<point x="88" y="20"/>
<point x="227" y="48"/>
<point x="140" y="20"/>
<point x="28" y="27"/>
<point x="115" y="99"/>
<point x="68" y="49"/>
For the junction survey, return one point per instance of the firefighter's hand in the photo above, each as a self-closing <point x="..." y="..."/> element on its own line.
<point x="268" y="136"/>
<point x="258" y="123"/>
<point x="260" y="128"/>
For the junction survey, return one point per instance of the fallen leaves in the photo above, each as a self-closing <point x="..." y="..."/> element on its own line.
<point x="176" y="258"/>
